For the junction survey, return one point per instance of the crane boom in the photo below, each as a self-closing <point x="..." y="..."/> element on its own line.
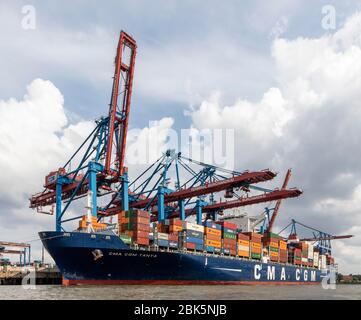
<point x="278" y="204"/>
<point x="271" y="196"/>
<point x="328" y="238"/>
<point x="245" y="178"/>
<point x="119" y="117"/>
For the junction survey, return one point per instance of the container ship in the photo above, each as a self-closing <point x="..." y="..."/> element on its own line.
<point x="165" y="234"/>
<point x="189" y="254"/>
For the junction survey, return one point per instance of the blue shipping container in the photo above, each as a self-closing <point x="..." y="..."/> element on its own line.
<point x="199" y="247"/>
<point x="209" y="249"/>
<point x="194" y="240"/>
<point x="211" y="224"/>
<point x="163" y="243"/>
<point x="194" y="234"/>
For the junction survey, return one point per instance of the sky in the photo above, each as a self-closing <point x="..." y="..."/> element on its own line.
<point x="275" y="72"/>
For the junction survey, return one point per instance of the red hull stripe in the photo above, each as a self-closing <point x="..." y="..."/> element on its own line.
<point x="179" y="282"/>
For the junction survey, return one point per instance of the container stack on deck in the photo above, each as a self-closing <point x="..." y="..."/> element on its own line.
<point x="304" y="251"/>
<point x="243" y="245"/>
<point x="271" y="243"/>
<point x="294" y="255"/>
<point x="217" y="237"/>
<point x="310" y="254"/>
<point x="229" y="238"/>
<point x="135" y="224"/>
<point x="255" y="245"/>
<point x="212" y="237"/>
<point x="192" y="236"/>
<point x="316" y="257"/>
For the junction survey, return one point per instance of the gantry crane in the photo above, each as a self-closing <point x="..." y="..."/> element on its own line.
<point x="320" y="238"/>
<point x="24" y="254"/>
<point x="101" y="171"/>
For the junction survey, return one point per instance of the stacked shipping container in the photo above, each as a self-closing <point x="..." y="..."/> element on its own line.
<point x="283" y="251"/>
<point x="192" y="236"/>
<point x="212" y="237"/>
<point x="271" y="243"/>
<point x="229" y="238"/>
<point x="135" y="223"/>
<point x="243" y="245"/>
<point x="255" y="244"/>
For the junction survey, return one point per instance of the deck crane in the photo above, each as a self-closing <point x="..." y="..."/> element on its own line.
<point x="101" y="171"/>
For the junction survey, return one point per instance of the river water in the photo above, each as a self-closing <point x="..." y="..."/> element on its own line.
<point x="136" y="292"/>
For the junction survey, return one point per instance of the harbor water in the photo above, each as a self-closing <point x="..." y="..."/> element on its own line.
<point x="141" y="292"/>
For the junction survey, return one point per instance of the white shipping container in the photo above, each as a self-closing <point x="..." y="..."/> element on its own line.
<point x="316" y="256"/>
<point x="310" y="250"/>
<point x="243" y="248"/>
<point x="322" y="261"/>
<point x="162" y="236"/>
<point x="304" y="259"/>
<point x="193" y="226"/>
<point x="315" y="263"/>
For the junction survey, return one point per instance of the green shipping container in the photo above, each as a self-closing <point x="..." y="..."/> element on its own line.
<point x="125" y="238"/>
<point x="227" y="235"/>
<point x="273" y="249"/>
<point x="256" y="255"/>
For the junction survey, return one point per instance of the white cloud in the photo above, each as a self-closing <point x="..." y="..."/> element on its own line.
<point x="36" y="138"/>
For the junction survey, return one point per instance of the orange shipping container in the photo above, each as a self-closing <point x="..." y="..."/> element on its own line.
<point x="213" y="237"/>
<point x="283" y="244"/>
<point x="212" y="231"/>
<point x="243" y="248"/>
<point x="175" y="228"/>
<point x="213" y="243"/>
<point x="242" y="253"/>
<point x="255" y="245"/>
<point x="243" y="242"/>
<point x="256" y="250"/>
<point x="273" y="254"/>
<point x="273" y="244"/>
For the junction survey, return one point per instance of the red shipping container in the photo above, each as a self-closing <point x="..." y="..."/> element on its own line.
<point x="228" y="225"/>
<point x="230" y="246"/>
<point x="143" y="241"/>
<point x="173" y="237"/>
<point x="141" y="213"/>
<point x="233" y="252"/>
<point x="190" y="245"/>
<point x="229" y="241"/>
<point x="175" y="222"/>
<point x="242" y="236"/>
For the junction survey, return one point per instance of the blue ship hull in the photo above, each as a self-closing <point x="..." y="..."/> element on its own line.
<point x="92" y="258"/>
